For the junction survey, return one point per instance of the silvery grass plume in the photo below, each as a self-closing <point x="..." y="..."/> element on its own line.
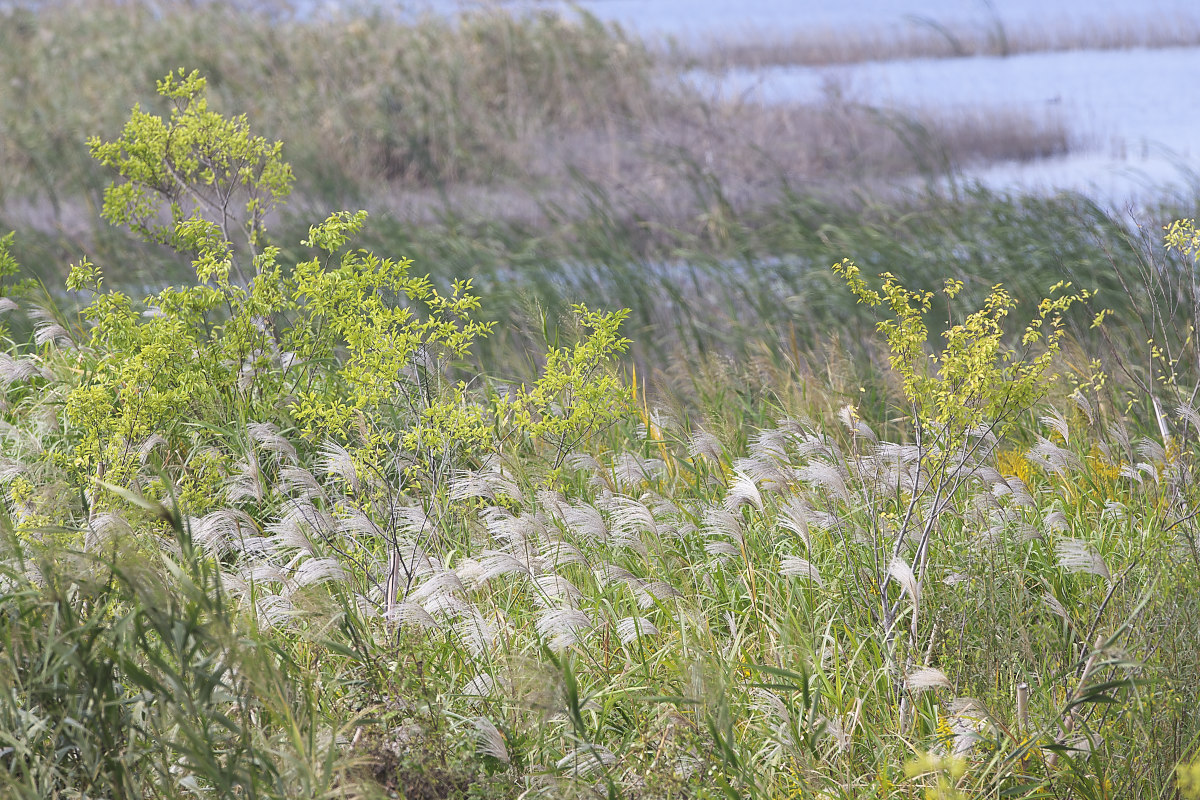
<point x="584" y="521"/>
<point x="815" y="445"/>
<point x="1075" y="555"/>
<point x="724" y="532"/>
<point x="1134" y="472"/>
<point x="482" y="687"/>
<point x="628" y="520"/>
<point x="1114" y="510"/>
<point x="854" y="423"/>
<point x="476" y="632"/>
<point x="443" y="606"/>
<point x="1119" y="435"/>
<point x="660" y="421"/>
<point x="47" y="330"/>
<point x="631" y="469"/>
<point x="11" y="469"/>
<point x="647" y="594"/>
<point x="45" y="413"/>
<point x="311" y="570"/>
<point x="1008" y="525"/>
<point x="771" y="444"/>
<point x="586" y="759"/>
<point x="149" y="445"/>
<point x="267" y="436"/>
<point x="410" y="528"/>
<point x="922" y="679"/>
<point x="290" y="531"/>
<point x="412" y="615"/>
<point x="517" y="536"/>
<point x="584" y="462"/>
<point x="631" y="629"/>
<point x="826" y="476"/>
<point x="653" y="593"/>
<point x="743" y="491"/>
<point x="246" y="483"/>
<point x="515" y="532"/>
<point x="562" y="628"/>
<point x="1055" y="420"/>
<point x="558" y="551"/>
<point x="1056" y="607"/>
<point x="489" y="741"/>
<point x="553" y="590"/>
<point x="802" y="511"/>
<point x="301" y="484"/>
<point x="7" y="304"/>
<point x="18" y="370"/>
<point x="493" y="564"/>
<point x="358" y="528"/>
<point x="796" y="567"/>
<point x="106" y="528"/>
<point x="985" y="438"/>
<point x="551" y="502"/>
<point x="797" y="427"/>
<point x="841" y="728"/>
<point x="968" y="720"/>
<point x="609" y="574"/>
<point x="705" y="445"/>
<point x="1014" y="488"/>
<point x="227" y="530"/>
<point x="1084" y="405"/>
<point x="778" y="720"/>
<point x="669" y="514"/>
<point x="273" y="610"/>
<point x="1056" y="521"/>
<point x="889" y="467"/>
<point x="964" y="469"/>
<point x="337" y="462"/>
<point x="1151" y="450"/>
<point x="772" y="475"/>
<point x="434" y="593"/>
<point x="487" y="483"/>
<point x="1188" y="415"/>
<point x="902" y="573"/>
<point x="794" y="515"/>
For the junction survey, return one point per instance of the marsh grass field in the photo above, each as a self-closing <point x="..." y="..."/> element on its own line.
<point x="283" y="514"/>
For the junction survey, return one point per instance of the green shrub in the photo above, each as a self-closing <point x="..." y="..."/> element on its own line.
<point x="346" y="345"/>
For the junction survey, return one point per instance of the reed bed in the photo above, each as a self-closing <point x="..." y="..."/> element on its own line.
<point x="486" y="113"/>
<point x="928" y="37"/>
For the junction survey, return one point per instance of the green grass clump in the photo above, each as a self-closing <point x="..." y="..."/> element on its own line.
<point x="279" y="535"/>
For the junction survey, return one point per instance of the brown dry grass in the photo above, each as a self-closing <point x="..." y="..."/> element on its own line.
<point x="927" y="38"/>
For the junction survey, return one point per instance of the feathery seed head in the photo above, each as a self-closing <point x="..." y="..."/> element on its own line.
<point x="794" y="566"/>
<point x="561" y="628"/>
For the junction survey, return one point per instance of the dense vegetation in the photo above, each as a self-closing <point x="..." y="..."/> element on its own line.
<point x="309" y="523"/>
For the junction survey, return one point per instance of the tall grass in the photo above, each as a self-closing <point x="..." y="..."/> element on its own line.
<point x="484" y="112"/>
<point x="681" y="614"/>
<point x="771" y="577"/>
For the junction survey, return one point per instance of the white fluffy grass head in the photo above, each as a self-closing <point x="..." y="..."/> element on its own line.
<point x="489" y="740"/>
<point x="796" y="567"/>
<point x="1075" y="555"/>
<point x="562" y="628"/>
